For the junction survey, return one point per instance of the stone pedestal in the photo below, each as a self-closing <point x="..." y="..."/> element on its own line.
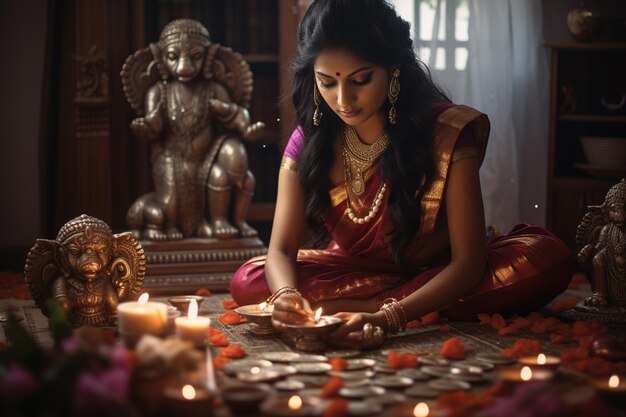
<point x="184" y="266"/>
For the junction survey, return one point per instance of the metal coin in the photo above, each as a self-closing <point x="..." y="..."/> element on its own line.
<point x="354" y="375"/>
<point x="485" y="366"/>
<point x="289" y="385"/>
<point x="414" y="374"/>
<point x="393" y="381"/>
<point x="284" y="370"/>
<point x="263" y="376"/>
<point x="360" y="392"/>
<point x="354" y="364"/>
<point x="388" y="398"/>
<point x="435" y="370"/>
<point x="313" y="367"/>
<point x="422" y="391"/>
<point x="449" y="385"/>
<point x="245" y="365"/>
<point x="384" y="369"/>
<point x="342" y="353"/>
<point x="306" y="357"/>
<point x="310" y="380"/>
<point x="279" y="356"/>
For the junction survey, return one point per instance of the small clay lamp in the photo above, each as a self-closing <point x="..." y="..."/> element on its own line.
<point x="612" y="389"/>
<point x="540" y="361"/>
<point x="245" y="399"/>
<point x="182" y="302"/>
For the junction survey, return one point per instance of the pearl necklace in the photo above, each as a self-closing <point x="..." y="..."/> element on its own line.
<point x="374" y="209"/>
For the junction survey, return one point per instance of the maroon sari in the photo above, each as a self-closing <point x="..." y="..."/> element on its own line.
<point x="526" y="268"/>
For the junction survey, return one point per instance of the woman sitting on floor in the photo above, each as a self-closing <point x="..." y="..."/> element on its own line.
<point x="384" y="164"/>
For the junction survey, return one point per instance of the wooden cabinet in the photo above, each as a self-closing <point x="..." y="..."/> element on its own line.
<point x="586" y="104"/>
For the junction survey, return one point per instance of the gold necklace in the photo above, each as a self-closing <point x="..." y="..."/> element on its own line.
<point x="358" y="157"/>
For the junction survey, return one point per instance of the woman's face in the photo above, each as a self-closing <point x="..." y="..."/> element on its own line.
<point x="355" y="89"/>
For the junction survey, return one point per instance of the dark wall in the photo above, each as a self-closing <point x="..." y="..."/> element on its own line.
<point x="23" y="34"/>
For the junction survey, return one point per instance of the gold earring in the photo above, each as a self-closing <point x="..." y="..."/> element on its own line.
<point x="394" y="91"/>
<point x="317" y="99"/>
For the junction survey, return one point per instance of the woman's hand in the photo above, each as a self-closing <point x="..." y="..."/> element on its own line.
<point x="291" y="308"/>
<point x="351" y="334"/>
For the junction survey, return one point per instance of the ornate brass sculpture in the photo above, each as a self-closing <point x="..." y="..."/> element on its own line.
<point x="87" y="270"/>
<point x="601" y="240"/>
<point x="191" y="96"/>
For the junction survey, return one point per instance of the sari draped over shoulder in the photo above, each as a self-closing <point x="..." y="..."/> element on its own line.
<point x="526" y="268"/>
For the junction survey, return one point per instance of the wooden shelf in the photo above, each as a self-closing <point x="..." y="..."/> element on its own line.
<point x="602" y="118"/>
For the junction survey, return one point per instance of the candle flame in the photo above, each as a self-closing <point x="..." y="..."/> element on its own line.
<point x="541" y="359"/>
<point x="262" y="306"/>
<point x="526" y="374"/>
<point x="421" y="410"/>
<point x="614" y="381"/>
<point x="189" y="392"/>
<point x="193" y="309"/>
<point x="295" y="402"/>
<point x="255" y="370"/>
<point x="143" y="298"/>
<point x="318" y="314"/>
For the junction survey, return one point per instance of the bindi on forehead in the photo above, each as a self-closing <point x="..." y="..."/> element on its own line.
<point x="337" y="73"/>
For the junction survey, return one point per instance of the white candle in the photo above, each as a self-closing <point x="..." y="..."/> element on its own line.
<point x="193" y="328"/>
<point x="136" y="318"/>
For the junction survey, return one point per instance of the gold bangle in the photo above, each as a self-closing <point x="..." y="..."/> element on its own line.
<point x="282" y="290"/>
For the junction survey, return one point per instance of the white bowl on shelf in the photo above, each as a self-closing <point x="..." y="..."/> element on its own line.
<point x="605" y="152"/>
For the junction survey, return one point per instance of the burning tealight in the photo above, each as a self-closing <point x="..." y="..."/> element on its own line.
<point x="421" y="410"/>
<point x="136" y="318"/>
<point x="613" y="389"/>
<point x="540" y="361"/>
<point x="189" y="401"/>
<point x="294" y="403"/>
<point x="189" y="392"/>
<point x="525" y="374"/>
<point x="193" y="328"/>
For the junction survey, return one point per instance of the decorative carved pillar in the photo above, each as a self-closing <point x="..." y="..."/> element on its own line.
<point x="92" y="112"/>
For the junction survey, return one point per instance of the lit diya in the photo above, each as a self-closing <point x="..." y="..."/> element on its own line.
<point x="261" y="317"/>
<point x="612" y="388"/>
<point x="311" y="334"/>
<point x="525" y="374"/>
<point x="182" y="302"/>
<point x="540" y="361"/>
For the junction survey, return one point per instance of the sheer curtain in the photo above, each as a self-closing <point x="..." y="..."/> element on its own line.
<point x="506" y="77"/>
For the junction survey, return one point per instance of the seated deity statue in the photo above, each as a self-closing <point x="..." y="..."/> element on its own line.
<point x="601" y="239"/>
<point x="87" y="271"/>
<point x="191" y="96"/>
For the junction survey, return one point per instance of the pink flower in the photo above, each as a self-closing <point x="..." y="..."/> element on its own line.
<point x="96" y="390"/>
<point x="17" y="383"/>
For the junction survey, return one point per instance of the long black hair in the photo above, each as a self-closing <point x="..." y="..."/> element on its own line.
<point x="373" y="31"/>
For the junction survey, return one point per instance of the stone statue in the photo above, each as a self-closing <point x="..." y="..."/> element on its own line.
<point x="87" y="270"/>
<point x="601" y="240"/>
<point x="191" y="96"/>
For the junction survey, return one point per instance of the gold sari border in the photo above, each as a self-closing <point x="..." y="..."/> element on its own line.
<point x="465" y="153"/>
<point x="448" y="128"/>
